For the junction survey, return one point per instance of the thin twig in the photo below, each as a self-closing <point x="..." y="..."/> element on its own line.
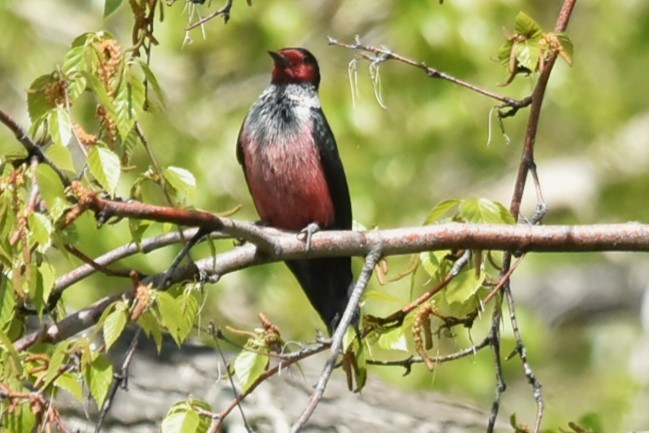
<point x="120" y="379"/>
<point x="501" y="386"/>
<point x="29" y="145"/>
<point x="383" y="54"/>
<point x="237" y="396"/>
<point x="144" y="246"/>
<point x="223" y="11"/>
<point x="521" y="350"/>
<point x="96" y="265"/>
<point x="526" y="166"/>
<point x="285" y="363"/>
<point x="408" y="362"/>
<point x="371" y="260"/>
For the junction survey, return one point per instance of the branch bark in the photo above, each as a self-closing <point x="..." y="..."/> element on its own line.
<point x="515" y="238"/>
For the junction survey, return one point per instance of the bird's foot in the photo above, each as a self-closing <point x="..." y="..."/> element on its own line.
<point x="307" y="233"/>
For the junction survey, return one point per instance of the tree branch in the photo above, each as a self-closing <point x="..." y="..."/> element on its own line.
<point x="371" y="260"/>
<point x="521" y="238"/>
<point x="382" y="54"/>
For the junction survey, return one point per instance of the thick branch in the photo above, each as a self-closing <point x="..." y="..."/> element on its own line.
<point x="523" y="238"/>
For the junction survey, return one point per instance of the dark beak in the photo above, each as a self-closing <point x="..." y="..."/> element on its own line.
<point x="279" y="59"/>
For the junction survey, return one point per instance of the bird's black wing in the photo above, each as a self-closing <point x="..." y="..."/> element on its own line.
<point x="333" y="171"/>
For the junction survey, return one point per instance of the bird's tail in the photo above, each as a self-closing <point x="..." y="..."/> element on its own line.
<point x="328" y="283"/>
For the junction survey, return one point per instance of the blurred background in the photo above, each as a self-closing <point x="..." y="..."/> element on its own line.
<point x="581" y="315"/>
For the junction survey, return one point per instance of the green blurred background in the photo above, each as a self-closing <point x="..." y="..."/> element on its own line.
<point x="580" y="314"/>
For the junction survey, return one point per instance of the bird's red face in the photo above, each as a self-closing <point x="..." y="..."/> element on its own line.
<point x="294" y="65"/>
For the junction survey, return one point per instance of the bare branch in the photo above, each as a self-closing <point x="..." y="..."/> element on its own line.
<point x="371" y="260"/>
<point x="382" y="54"/>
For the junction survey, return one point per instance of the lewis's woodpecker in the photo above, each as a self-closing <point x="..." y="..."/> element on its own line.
<point x="295" y="176"/>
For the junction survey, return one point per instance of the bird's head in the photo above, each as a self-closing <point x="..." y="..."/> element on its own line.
<point x="295" y="66"/>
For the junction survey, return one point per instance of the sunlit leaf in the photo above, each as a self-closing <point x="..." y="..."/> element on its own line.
<point x="114" y="325"/>
<point x="432" y="260"/>
<point x="394" y="339"/>
<point x="184" y="417"/>
<point x="60" y="125"/>
<point x="99" y="375"/>
<point x="129" y="102"/>
<point x="56" y="361"/>
<point x="170" y="310"/>
<point x="525" y="25"/>
<point x="181" y="180"/>
<point x="248" y="366"/>
<point x="566" y="50"/>
<point x="40" y="230"/>
<point x="463" y="286"/>
<point x="151" y="328"/>
<point x="46" y="280"/>
<point x="22" y="419"/>
<point x="75" y="60"/>
<point x="60" y="155"/>
<point x="440" y="210"/>
<point x="38" y="103"/>
<point x="51" y="189"/>
<point x="152" y="81"/>
<point x="104" y="165"/>
<point x="528" y="54"/>
<point x="190" y="301"/>
<point x="71" y="383"/>
<point x="484" y="211"/>
<point x="100" y="92"/>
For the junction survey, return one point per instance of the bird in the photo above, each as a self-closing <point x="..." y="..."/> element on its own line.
<point x="293" y="170"/>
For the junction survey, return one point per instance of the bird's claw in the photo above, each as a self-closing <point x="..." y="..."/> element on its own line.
<point x="307" y="233"/>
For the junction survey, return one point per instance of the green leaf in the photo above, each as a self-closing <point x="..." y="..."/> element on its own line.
<point x="248" y="366"/>
<point x="170" y="310"/>
<point x="20" y="420"/>
<point x="86" y="39"/>
<point x="394" y="339"/>
<point x="99" y="375"/>
<point x="526" y="26"/>
<point x="431" y="261"/>
<point x="40" y="230"/>
<point x="104" y="165"/>
<point x="129" y="102"/>
<point x="7" y="306"/>
<point x="52" y="190"/>
<point x="75" y="60"/>
<point x="464" y="286"/>
<point x="484" y="211"/>
<point x="11" y="363"/>
<point x="114" y="325"/>
<point x="60" y="155"/>
<point x="56" y="361"/>
<point x="190" y="302"/>
<point x="183" y="417"/>
<point x="71" y="383"/>
<point x="152" y="81"/>
<point x="38" y="104"/>
<point x="74" y="66"/>
<point x="567" y="50"/>
<point x="111" y="6"/>
<point x="151" y="328"/>
<point x="440" y="209"/>
<point x="181" y="180"/>
<point x="47" y="279"/>
<point x="528" y="54"/>
<point x="101" y="93"/>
